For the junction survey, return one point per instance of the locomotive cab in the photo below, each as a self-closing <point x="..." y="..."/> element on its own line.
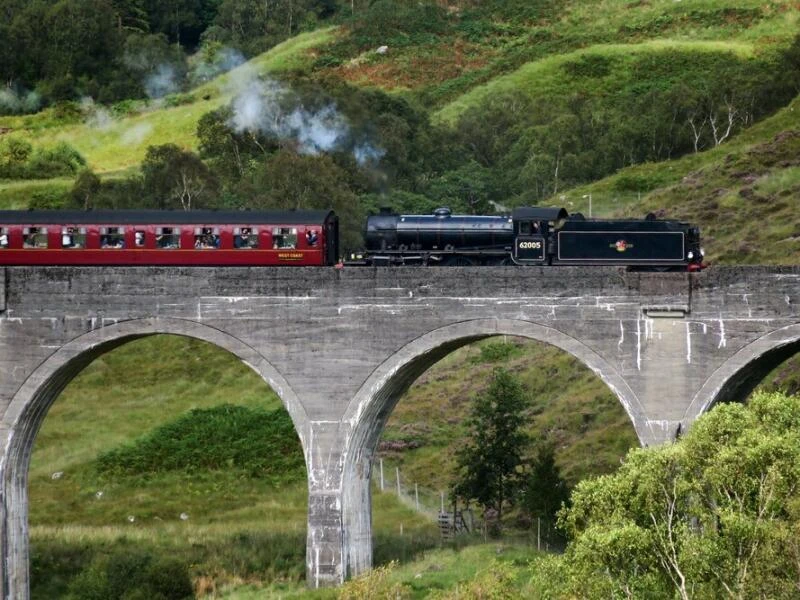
<point x="532" y="229"/>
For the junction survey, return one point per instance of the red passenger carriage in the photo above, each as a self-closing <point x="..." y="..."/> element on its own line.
<point x="201" y="238"/>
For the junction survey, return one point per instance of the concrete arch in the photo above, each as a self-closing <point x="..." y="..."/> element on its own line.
<point x="369" y="410"/>
<point x="30" y="404"/>
<point x="742" y="372"/>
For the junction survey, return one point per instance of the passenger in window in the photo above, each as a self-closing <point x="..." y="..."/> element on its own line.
<point x="311" y="237"/>
<point x="242" y="240"/>
<point x="3" y="240"/>
<point x="165" y="240"/>
<point x="66" y="240"/>
<point x="139" y="239"/>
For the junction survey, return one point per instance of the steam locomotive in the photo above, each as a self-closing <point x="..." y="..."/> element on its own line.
<point x="529" y="236"/>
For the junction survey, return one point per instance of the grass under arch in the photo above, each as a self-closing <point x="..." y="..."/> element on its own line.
<point x="226" y="524"/>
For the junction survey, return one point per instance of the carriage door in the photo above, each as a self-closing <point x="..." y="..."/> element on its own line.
<point x="331" y="241"/>
<point x="529" y="245"/>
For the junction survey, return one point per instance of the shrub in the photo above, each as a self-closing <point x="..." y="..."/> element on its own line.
<point x="49" y="198"/>
<point x="132" y="575"/>
<point x="496" y="583"/>
<point x="496" y="352"/>
<point x="178" y="99"/>
<point x="374" y="584"/>
<point x="14" y="155"/>
<point x="125" y="108"/>
<point x="260" y="443"/>
<point x="58" y="161"/>
<point x="399" y="24"/>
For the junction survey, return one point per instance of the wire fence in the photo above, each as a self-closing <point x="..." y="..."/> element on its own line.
<point x="426" y="501"/>
<point x="439" y="507"/>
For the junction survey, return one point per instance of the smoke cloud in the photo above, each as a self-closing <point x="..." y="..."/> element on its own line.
<point x="224" y="60"/>
<point x="22" y="101"/>
<point x="97" y="117"/>
<point x="161" y="82"/>
<point x="266" y="106"/>
<point x="135" y="135"/>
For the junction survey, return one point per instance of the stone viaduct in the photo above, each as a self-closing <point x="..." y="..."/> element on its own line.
<point x="341" y="346"/>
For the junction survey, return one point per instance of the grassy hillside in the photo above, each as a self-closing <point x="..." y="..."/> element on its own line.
<point x="115" y="143"/>
<point x="743" y="194"/>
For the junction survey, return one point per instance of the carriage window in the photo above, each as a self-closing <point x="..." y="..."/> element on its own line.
<point x="245" y="237"/>
<point x="168" y="237"/>
<point x="284" y="237"/>
<point x="34" y="237"/>
<point x="73" y="237"/>
<point x="206" y="238"/>
<point x="312" y="238"/>
<point x="112" y="237"/>
<point x="138" y="238"/>
<point x="3" y="237"/>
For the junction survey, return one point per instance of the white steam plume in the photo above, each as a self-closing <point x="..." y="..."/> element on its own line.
<point x="161" y="82"/>
<point x="22" y="101"/>
<point x="259" y="106"/>
<point x="97" y="117"/>
<point x="224" y="60"/>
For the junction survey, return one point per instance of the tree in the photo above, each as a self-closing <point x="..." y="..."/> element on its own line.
<point x="544" y="491"/>
<point x="290" y="181"/>
<point x="714" y="515"/>
<point x="489" y="463"/>
<point x="176" y="178"/>
<point x="85" y="189"/>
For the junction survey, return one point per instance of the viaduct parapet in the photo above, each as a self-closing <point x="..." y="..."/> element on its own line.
<point x="341" y="346"/>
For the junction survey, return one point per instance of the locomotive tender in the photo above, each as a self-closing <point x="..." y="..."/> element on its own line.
<point x="529" y="236"/>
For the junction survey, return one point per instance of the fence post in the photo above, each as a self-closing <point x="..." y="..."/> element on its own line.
<point x="538" y="533"/>
<point x="397" y="474"/>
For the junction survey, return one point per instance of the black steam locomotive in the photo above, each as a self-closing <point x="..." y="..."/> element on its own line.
<point x="530" y="236"/>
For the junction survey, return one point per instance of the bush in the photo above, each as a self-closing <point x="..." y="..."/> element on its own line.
<point x="49" y="198"/>
<point x="125" y="108"/>
<point x="14" y="155"/>
<point x="58" y="161"/>
<point x="178" y="99"/>
<point x="496" y="352"/>
<point x="496" y="582"/>
<point x="132" y="575"/>
<point x="260" y="443"/>
<point x="399" y="24"/>
<point x="374" y="584"/>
